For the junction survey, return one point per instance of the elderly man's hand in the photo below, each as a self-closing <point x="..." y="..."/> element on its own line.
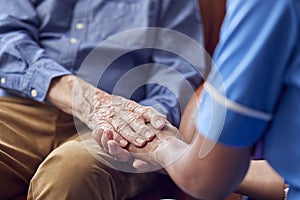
<point x="126" y="119"/>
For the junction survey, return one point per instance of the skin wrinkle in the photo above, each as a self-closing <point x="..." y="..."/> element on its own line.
<point x="95" y="107"/>
<point x="118" y="113"/>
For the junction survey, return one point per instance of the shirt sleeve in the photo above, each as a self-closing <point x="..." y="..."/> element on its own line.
<point x="174" y="78"/>
<point x="25" y="68"/>
<point x="251" y="59"/>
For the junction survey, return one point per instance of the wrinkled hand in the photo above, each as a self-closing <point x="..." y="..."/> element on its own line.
<point x="145" y="157"/>
<point x="125" y="118"/>
<point x="128" y="119"/>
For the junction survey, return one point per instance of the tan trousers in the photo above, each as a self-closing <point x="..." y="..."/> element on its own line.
<point x="41" y="153"/>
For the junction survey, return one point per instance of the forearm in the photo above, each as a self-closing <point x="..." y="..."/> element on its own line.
<point x="212" y="176"/>
<point x="262" y="182"/>
<point x="100" y="110"/>
<point x="60" y="93"/>
<point x="74" y="96"/>
<point x="197" y="183"/>
<point x="187" y="126"/>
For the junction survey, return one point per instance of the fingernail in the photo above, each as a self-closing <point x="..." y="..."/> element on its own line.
<point x="123" y="143"/>
<point x="115" y="148"/>
<point x="139" y="140"/>
<point x="159" y="123"/>
<point x="148" y="135"/>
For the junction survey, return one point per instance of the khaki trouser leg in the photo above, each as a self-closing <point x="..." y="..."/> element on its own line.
<point x="71" y="172"/>
<point x="33" y="144"/>
<point x="27" y="135"/>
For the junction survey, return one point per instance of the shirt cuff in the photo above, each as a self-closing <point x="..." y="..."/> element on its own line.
<point x="38" y="78"/>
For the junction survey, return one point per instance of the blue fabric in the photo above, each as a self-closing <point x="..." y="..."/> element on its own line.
<point x="40" y="40"/>
<point x="258" y="58"/>
<point x="293" y="194"/>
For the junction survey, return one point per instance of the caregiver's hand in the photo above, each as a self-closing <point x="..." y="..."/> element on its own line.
<point x="145" y="157"/>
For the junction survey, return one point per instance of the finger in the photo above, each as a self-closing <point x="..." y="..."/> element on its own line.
<point x="103" y="128"/>
<point x="137" y="124"/>
<point x="118" y="152"/>
<point x="104" y="141"/>
<point x="97" y="135"/>
<point x="140" y="165"/>
<point x="121" y="141"/>
<point x="108" y="134"/>
<point x="151" y="115"/>
<point x="168" y="129"/>
<point x="100" y="127"/>
<point x="113" y="135"/>
<point x="125" y="131"/>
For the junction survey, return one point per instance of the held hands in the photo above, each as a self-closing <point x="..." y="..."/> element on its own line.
<point x="118" y="119"/>
<point x="124" y="119"/>
<point x="146" y="158"/>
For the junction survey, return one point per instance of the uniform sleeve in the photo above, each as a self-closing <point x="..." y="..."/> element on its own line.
<point x="172" y="78"/>
<point x="256" y="40"/>
<point x="25" y="69"/>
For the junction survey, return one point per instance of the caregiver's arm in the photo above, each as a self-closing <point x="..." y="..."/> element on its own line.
<point x="212" y="176"/>
<point x="262" y="182"/>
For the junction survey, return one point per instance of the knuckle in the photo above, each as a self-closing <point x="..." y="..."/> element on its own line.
<point x="132" y="118"/>
<point x="119" y="125"/>
<point x="143" y="129"/>
<point x="117" y="100"/>
<point x="152" y="110"/>
<point x="141" y="109"/>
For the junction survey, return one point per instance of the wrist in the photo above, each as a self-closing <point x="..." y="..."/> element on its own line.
<point x="171" y="151"/>
<point x="76" y="97"/>
<point x="60" y="92"/>
<point x="85" y="99"/>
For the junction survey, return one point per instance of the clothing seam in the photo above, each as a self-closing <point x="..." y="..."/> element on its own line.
<point x="236" y="107"/>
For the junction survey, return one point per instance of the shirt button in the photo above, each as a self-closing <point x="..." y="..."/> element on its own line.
<point x="3" y="80"/>
<point x="79" y="26"/>
<point x="34" y="93"/>
<point x="73" y="40"/>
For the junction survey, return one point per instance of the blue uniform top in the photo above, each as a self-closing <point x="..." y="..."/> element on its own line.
<point x="41" y="40"/>
<point x="258" y="60"/>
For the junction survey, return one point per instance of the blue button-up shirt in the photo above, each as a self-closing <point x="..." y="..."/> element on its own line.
<point x="40" y="40"/>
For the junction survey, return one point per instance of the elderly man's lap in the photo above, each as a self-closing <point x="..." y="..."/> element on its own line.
<point x="33" y="142"/>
